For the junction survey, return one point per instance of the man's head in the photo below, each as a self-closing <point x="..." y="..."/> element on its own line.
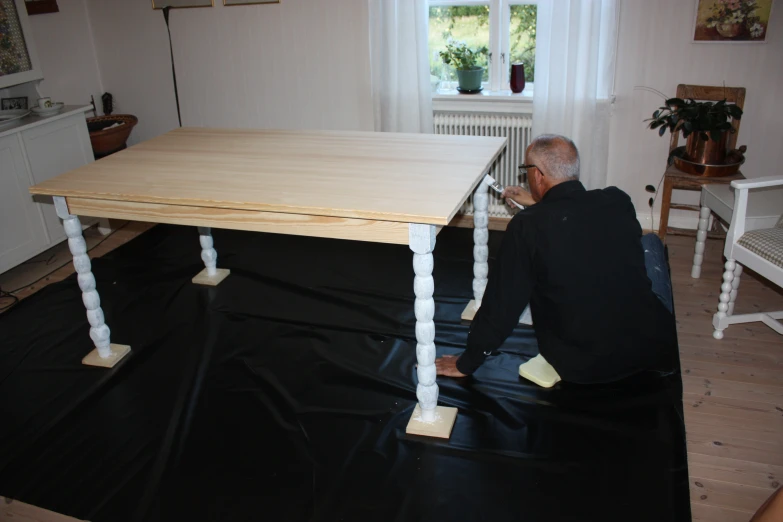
<point x="556" y="160"/>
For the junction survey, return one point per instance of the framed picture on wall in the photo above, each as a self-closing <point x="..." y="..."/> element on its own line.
<point x="249" y="2"/>
<point x="10" y="104"/>
<point x="732" y="20"/>
<point x="178" y="4"/>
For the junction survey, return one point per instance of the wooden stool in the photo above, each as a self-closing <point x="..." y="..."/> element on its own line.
<point x="674" y="178"/>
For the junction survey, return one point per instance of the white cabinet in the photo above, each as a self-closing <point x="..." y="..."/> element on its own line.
<point x="22" y="233"/>
<point x="34" y="150"/>
<point x="52" y="149"/>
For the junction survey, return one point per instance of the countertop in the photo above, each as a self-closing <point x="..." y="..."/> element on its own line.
<point x="30" y="121"/>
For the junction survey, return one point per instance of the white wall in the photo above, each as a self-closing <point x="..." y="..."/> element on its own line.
<point x="305" y="64"/>
<point x="655" y="49"/>
<point x="297" y="64"/>
<point x="64" y="44"/>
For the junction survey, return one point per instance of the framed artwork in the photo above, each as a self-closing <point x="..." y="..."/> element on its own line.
<point x="14" y="57"/>
<point x="36" y="7"/>
<point x="10" y="104"/>
<point x="732" y="20"/>
<point x="177" y="4"/>
<point x="249" y="2"/>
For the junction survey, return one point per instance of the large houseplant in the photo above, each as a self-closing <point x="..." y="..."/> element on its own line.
<point x="465" y="61"/>
<point x="706" y="125"/>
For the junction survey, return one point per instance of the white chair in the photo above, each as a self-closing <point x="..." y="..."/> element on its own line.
<point x="763" y="212"/>
<point x="760" y="250"/>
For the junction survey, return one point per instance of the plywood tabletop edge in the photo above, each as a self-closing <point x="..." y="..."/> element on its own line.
<point x="258" y="207"/>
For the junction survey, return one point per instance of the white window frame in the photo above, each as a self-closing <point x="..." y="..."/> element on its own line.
<point x="499" y="39"/>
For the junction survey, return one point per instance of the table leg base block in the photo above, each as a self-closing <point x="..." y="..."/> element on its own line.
<point x="118" y="351"/>
<point x="202" y="278"/>
<point x="470" y="311"/>
<point x="444" y="421"/>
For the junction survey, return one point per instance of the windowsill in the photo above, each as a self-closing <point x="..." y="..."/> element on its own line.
<point x="485" y="101"/>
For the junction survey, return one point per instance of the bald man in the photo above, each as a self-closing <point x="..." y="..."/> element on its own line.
<point x="599" y="291"/>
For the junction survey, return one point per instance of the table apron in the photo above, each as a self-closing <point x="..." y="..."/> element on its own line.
<point x="253" y="220"/>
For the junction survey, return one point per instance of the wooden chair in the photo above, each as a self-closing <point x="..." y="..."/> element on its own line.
<point x="675" y="178"/>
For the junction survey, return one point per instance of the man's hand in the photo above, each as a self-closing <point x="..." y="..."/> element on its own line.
<point x="447" y="366"/>
<point x="518" y="194"/>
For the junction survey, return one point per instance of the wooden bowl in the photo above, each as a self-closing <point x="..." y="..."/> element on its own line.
<point x="105" y="141"/>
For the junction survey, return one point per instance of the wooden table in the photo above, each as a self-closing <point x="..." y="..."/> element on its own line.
<point x="367" y="186"/>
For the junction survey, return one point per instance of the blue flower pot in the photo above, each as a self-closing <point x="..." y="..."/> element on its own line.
<point x="470" y="79"/>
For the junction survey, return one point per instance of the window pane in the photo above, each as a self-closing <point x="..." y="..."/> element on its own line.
<point x="468" y="24"/>
<point x="522" y="40"/>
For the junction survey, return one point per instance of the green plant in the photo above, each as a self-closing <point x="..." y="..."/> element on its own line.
<point x="459" y="55"/>
<point x="709" y="119"/>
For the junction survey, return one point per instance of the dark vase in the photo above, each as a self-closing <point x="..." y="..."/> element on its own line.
<point x="517" y="77"/>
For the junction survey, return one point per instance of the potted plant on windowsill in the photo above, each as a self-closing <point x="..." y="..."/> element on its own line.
<point x="464" y="60"/>
<point x="706" y="125"/>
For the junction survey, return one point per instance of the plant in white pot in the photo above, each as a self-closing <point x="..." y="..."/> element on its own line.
<point x="465" y="61"/>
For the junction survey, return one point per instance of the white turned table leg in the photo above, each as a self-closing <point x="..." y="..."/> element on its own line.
<point x="734" y="287"/>
<point x="105" y="354"/>
<point x="719" y="320"/>
<point x="701" y="241"/>
<point x="480" y="249"/>
<point x="481" y="255"/>
<point x="428" y="418"/>
<point x="104" y="226"/>
<point x="211" y="275"/>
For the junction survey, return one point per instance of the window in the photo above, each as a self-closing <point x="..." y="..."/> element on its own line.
<point x="507" y="28"/>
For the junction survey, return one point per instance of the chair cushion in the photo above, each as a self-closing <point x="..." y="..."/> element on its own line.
<point x="766" y="243"/>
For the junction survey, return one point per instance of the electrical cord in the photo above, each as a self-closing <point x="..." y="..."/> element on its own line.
<point x="9" y="294"/>
<point x="657" y="191"/>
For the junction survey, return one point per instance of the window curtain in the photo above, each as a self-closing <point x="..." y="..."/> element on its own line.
<point x="400" y="70"/>
<point x="575" y="61"/>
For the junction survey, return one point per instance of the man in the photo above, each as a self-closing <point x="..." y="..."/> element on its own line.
<point x="579" y="258"/>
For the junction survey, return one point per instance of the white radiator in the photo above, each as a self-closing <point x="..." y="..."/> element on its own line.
<point x="516" y="127"/>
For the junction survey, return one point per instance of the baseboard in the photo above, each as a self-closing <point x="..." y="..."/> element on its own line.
<point x="677" y="219"/>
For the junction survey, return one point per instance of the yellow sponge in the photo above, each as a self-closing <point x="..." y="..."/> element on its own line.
<point x="539" y="371"/>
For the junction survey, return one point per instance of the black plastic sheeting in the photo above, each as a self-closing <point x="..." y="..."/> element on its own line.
<point x="283" y="394"/>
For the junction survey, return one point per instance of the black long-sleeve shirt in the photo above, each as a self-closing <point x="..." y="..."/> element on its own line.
<point x="576" y="257"/>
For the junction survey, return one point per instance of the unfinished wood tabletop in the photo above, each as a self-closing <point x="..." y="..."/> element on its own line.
<point x="419" y="178"/>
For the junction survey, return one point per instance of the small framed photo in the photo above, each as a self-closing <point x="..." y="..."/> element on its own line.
<point x="741" y="21"/>
<point x="9" y="104"/>
<point x="249" y="2"/>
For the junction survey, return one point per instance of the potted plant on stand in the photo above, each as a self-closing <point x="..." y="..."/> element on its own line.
<point x="706" y="125"/>
<point x="465" y="61"/>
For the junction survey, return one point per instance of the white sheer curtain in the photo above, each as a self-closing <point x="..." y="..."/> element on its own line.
<point x="402" y="97"/>
<point x="575" y="54"/>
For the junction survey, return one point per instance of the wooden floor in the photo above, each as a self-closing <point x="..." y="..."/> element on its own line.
<point x="733" y="388"/>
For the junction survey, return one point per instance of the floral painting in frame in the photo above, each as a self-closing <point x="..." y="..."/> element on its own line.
<point x="732" y="20"/>
<point x="13" y="51"/>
